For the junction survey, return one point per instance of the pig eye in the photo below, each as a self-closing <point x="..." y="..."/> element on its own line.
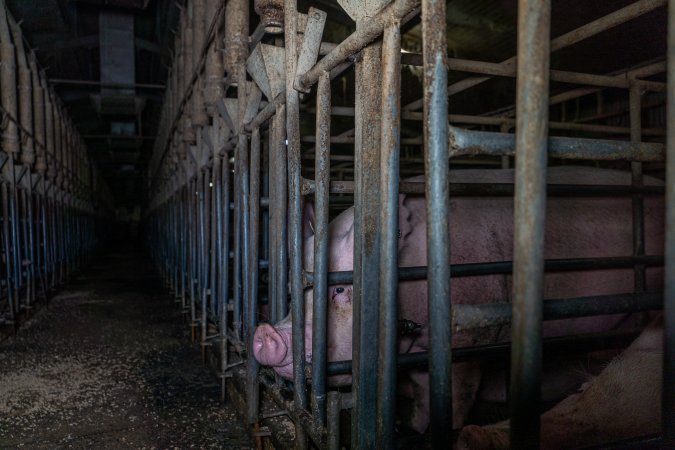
<point x="339" y="290"/>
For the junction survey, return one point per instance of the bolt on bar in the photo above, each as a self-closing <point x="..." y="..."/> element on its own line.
<point x="529" y="216"/>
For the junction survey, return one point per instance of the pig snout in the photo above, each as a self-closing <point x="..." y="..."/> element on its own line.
<point x="269" y="347"/>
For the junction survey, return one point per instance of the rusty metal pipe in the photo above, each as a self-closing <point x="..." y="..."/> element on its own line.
<point x="534" y="22"/>
<point x="438" y="257"/>
<point x="365" y="34"/>
<point x="389" y="187"/>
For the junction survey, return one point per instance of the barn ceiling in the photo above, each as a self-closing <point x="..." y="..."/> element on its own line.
<point x="126" y="45"/>
<point x="107" y="60"/>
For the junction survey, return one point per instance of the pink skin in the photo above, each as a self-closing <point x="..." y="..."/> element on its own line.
<point x="622" y="402"/>
<point x="481" y="231"/>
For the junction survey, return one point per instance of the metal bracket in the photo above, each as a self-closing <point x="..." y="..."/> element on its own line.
<point x="311" y="42"/>
<point x="266" y="65"/>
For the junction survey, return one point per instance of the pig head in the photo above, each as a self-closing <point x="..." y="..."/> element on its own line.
<point x="481" y="231"/>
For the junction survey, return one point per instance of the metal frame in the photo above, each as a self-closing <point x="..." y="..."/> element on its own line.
<point x="195" y="187"/>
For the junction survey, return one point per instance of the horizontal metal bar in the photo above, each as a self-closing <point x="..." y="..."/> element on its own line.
<point x="470" y="142"/>
<point x="481" y="316"/>
<point x="107" y="85"/>
<point x="502" y="189"/>
<point x="506" y="267"/>
<point x="492" y="352"/>
<point x="118" y="137"/>
<point x="364" y="35"/>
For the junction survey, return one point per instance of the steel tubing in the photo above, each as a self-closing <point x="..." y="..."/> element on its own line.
<point x="593" y="28"/>
<point x="668" y="393"/>
<point x="252" y="388"/>
<point x="634" y="101"/>
<point x="438" y="245"/>
<point x="529" y="217"/>
<point x="224" y="272"/>
<point x="470" y="142"/>
<point x="369" y="31"/>
<point x="367" y="235"/>
<point x="320" y="292"/>
<point x="389" y="169"/>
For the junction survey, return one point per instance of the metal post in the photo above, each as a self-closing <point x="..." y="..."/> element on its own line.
<point x="638" y="200"/>
<point x="295" y="214"/>
<point x="438" y="245"/>
<point x="389" y="169"/>
<point x="668" y="399"/>
<point x="366" y="245"/>
<point x="529" y="210"/>
<point x="252" y="388"/>
<point x="320" y="293"/>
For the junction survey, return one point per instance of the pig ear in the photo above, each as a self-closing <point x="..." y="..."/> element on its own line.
<point x="307" y="219"/>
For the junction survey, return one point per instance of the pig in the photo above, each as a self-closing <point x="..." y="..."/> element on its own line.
<point x="622" y="402"/>
<point x="481" y="230"/>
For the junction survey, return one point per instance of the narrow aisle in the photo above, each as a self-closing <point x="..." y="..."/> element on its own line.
<point x="109" y="364"/>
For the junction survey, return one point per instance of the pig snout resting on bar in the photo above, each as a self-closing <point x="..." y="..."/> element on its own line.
<point x="481" y="231"/>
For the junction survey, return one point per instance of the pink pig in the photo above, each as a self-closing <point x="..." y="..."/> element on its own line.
<point x="481" y="231"/>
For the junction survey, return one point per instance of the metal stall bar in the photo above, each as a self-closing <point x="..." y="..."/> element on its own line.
<point x="224" y="269"/>
<point x="634" y="101"/>
<point x="367" y="234"/>
<point x="668" y="398"/>
<point x="529" y="212"/>
<point x="470" y="142"/>
<point x="438" y="245"/>
<point x="252" y="387"/>
<point x="369" y="31"/>
<point x="320" y="293"/>
<point x="295" y="213"/>
<point x="566" y="40"/>
<point x="389" y="169"/>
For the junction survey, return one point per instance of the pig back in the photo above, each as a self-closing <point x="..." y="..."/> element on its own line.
<point x="481" y="230"/>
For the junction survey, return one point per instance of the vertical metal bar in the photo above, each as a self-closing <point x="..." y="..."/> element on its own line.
<point x="204" y="238"/>
<point x="281" y="219"/>
<point x="224" y="271"/>
<point x="320" y="293"/>
<point x="366" y="245"/>
<point x="295" y="213"/>
<point x="273" y="228"/>
<point x="438" y="231"/>
<point x="237" y="263"/>
<point x="530" y="211"/>
<point x="7" y="244"/>
<point x="668" y="399"/>
<point x="252" y="388"/>
<point x="333" y="420"/>
<point x="638" y="200"/>
<point x="215" y="234"/>
<point x="389" y="169"/>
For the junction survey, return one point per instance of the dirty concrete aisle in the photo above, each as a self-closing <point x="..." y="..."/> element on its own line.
<point x="108" y="364"/>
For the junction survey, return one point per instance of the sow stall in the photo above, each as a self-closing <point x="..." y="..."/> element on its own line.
<point x="53" y="198"/>
<point x="248" y="135"/>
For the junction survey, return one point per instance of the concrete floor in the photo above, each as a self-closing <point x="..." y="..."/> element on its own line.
<point x="108" y="364"/>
